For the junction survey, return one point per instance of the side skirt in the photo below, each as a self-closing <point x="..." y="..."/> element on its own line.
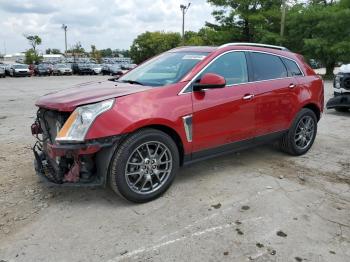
<point x="231" y="147"/>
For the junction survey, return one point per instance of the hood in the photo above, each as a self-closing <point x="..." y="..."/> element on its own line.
<point x="87" y="93"/>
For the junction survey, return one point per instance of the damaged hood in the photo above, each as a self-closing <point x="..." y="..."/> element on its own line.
<point x="87" y="93"/>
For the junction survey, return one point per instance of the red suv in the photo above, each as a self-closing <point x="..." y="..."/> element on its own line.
<point x="187" y="104"/>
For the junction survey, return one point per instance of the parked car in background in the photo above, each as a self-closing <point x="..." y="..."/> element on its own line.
<point x="97" y="68"/>
<point x="115" y="70"/>
<point x="84" y="69"/>
<point x="105" y="69"/>
<point x="341" y="100"/>
<point x="19" y="70"/>
<point x="62" y="69"/>
<point x="187" y="104"/>
<point x="2" y="71"/>
<point x="42" y="70"/>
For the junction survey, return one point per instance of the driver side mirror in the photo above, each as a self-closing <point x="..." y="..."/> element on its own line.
<point x="209" y="81"/>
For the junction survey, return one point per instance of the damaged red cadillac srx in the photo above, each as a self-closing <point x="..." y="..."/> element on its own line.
<point x="187" y="104"/>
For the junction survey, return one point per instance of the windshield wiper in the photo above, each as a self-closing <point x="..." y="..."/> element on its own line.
<point x="131" y="82"/>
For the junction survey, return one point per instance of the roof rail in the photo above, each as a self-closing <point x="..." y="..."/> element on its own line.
<point x="256" y="44"/>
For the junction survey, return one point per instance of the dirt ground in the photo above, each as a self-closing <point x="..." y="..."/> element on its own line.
<point x="256" y="205"/>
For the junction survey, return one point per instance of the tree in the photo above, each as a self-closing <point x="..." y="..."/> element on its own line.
<point x="321" y="32"/>
<point x="106" y="52"/>
<point x="33" y="40"/>
<point x="248" y="20"/>
<point x="95" y="54"/>
<point x="150" y="44"/>
<point x="54" y="51"/>
<point x="32" y="57"/>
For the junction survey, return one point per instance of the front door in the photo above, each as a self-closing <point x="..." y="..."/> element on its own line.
<point x="225" y="115"/>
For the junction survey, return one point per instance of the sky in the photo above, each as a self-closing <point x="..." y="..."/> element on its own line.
<point x="105" y="23"/>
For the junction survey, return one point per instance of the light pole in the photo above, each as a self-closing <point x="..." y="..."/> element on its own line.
<point x="64" y="27"/>
<point x="283" y="17"/>
<point x="184" y="11"/>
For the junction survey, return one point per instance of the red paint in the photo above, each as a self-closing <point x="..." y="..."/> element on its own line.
<point x="219" y="115"/>
<point x="212" y="79"/>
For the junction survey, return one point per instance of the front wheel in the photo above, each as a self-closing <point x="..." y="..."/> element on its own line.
<point x="144" y="165"/>
<point x="301" y="135"/>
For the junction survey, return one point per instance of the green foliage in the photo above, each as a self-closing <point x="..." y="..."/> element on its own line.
<point x="54" y="51"/>
<point x="77" y="49"/>
<point x="34" y="41"/>
<point x="321" y="31"/>
<point x="248" y="20"/>
<point x="95" y="54"/>
<point x="150" y="44"/>
<point x="32" y="57"/>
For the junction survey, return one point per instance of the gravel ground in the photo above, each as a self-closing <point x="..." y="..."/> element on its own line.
<point x="256" y="205"/>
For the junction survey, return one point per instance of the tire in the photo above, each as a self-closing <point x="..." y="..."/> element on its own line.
<point x="341" y="109"/>
<point x="288" y="142"/>
<point x="126" y="156"/>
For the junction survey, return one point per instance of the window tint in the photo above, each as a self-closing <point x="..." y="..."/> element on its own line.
<point x="267" y="66"/>
<point x="293" y="67"/>
<point x="232" y="66"/>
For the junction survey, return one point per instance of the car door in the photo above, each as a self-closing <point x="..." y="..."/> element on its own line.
<point x="275" y="97"/>
<point x="226" y="115"/>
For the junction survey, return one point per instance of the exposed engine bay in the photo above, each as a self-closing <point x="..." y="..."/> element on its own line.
<point x="66" y="163"/>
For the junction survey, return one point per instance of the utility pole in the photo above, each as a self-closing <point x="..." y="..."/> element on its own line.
<point x="64" y="27"/>
<point x="283" y="17"/>
<point x="184" y="11"/>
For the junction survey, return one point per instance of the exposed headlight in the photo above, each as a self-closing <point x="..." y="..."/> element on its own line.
<point x="337" y="81"/>
<point x="79" y="122"/>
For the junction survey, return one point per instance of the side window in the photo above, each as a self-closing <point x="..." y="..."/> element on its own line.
<point x="232" y="66"/>
<point x="293" y="67"/>
<point x="267" y="66"/>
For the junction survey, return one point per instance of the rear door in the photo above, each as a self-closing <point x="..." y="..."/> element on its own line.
<point x="225" y="115"/>
<point x="275" y="95"/>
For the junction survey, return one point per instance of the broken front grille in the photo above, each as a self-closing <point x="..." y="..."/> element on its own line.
<point x="51" y="122"/>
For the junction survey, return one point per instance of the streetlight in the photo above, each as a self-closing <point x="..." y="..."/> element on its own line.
<point x="64" y="27"/>
<point x="184" y="11"/>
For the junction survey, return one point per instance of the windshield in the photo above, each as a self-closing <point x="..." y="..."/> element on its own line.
<point x="165" y="69"/>
<point x="61" y="65"/>
<point x="20" y="66"/>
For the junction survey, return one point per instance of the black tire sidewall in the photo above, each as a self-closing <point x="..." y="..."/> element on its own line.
<point x="292" y="144"/>
<point x="118" y="164"/>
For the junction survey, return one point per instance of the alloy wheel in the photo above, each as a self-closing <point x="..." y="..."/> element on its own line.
<point x="304" y="132"/>
<point x="148" y="167"/>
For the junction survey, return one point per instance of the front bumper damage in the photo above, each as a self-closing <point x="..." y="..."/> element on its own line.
<point x="73" y="164"/>
<point x="340" y="100"/>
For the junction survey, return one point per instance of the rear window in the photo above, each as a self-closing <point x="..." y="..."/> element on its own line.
<point x="292" y="67"/>
<point x="266" y="67"/>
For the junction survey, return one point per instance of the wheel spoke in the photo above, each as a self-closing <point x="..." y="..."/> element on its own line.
<point x="143" y="185"/>
<point x="148" y="151"/>
<point x="155" y="151"/>
<point x="138" y="180"/>
<point x="133" y="173"/>
<point x="138" y="151"/>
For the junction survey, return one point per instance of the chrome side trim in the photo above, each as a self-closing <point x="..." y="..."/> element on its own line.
<point x="256" y="44"/>
<point x="187" y="120"/>
<point x="183" y="90"/>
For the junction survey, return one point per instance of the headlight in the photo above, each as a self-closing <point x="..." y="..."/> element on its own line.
<point x="337" y="81"/>
<point x="79" y="122"/>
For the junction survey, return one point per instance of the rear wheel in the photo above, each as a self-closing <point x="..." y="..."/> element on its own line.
<point x="301" y="135"/>
<point x="144" y="165"/>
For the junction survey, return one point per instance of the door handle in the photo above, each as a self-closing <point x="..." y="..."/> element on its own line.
<point x="291" y="85"/>
<point x="248" y="97"/>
